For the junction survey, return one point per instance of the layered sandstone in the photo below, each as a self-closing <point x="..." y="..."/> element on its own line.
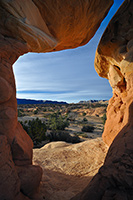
<point x="52" y="25"/>
<point x="35" y="26"/>
<point x="114" y="61"/>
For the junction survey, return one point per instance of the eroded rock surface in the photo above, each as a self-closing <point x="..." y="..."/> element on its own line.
<point x="37" y="26"/>
<point x="114" y="61"/>
<point x="9" y="180"/>
<point x="68" y="168"/>
<point x="30" y="177"/>
<point x="52" y="25"/>
<point x="115" y="178"/>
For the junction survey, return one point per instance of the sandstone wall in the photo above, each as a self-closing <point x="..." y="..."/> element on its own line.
<point x="114" y="61"/>
<point x="34" y="26"/>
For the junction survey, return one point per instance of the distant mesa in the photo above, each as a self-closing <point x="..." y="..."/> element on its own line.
<point x="31" y="101"/>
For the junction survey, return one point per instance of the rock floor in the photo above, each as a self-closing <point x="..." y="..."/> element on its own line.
<point x="68" y="168"/>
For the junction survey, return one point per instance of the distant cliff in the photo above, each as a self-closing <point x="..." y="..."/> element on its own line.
<point x="31" y="101"/>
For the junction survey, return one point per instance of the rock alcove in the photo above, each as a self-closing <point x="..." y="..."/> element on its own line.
<point x="44" y="26"/>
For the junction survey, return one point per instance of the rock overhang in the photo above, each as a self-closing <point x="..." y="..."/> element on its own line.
<point x="52" y="25"/>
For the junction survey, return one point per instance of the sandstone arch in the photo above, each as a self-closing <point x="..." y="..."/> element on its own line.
<point x="52" y="25"/>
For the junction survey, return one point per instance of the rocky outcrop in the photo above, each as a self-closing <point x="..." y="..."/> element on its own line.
<point x="35" y="26"/>
<point x="52" y="25"/>
<point x="115" y="178"/>
<point x="68" y="168"/>
<point x="114" y="61"/>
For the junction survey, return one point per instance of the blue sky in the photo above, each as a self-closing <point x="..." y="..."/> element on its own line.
<point x="67" y="75"/>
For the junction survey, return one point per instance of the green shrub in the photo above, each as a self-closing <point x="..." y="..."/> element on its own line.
<point x="88" y="106"/>
<point x="35" y="112"/>
<point x="88" y="128"/>
<point x="63" y="136"/>
<point x="36" y="130"/>
<point x="57" y="122"/>
<point x="84" y="120"/>
<point x="104" y="118"/>
<point x="20" y="113"/>
<point x="84" y="114"/>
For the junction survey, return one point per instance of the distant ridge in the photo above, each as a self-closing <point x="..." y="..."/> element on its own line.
<point x="94" y="101"/>
<point x="30" y="101"/>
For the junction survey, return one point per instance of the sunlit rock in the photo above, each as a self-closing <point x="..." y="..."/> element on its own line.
<point x="114" y="61"/>
<point x="36" y="26"/>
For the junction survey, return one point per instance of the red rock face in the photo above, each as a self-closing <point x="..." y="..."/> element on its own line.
<point x="114" y="61"/>
<point x="115" y="178"/>
<point x="34" y="26"/>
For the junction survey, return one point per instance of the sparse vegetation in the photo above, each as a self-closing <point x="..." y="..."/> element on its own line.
<point x="57" y="122"/>
<point x="21" y="113"/>
<point x="35" y="112"/>
<point x="84" y="120"/>
<point x="63" y="136"/>
<point x="104" y="118"/>
<point x="35" y="129"/>
<point x="88" y="128"/>
<point x="84" y="114"/>
<point x="62" y="122"/>
<point x="96" y="105"/>
<point x="83" y="135"/>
